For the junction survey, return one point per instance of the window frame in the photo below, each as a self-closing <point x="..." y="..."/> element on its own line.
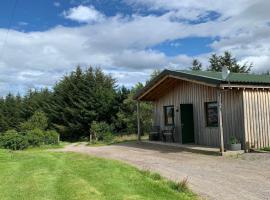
<point x="206" y="106"/>
<point x="166" y="117"/>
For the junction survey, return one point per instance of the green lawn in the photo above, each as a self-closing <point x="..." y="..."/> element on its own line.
<point x="39" y="174"/>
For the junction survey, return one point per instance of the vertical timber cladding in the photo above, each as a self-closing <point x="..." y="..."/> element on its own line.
<point x="197" y="94"/>
<point x="257" y="118"/>
<point x="233" y="115"/>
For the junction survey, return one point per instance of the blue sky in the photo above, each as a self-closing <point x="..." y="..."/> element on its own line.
<point x="126" y="38"/>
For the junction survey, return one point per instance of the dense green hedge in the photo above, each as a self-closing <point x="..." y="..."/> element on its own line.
<point x="13" y="140"/>
<point x="21" y="140"/>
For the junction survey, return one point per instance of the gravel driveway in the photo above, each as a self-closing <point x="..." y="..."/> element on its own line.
<point x="212" y="177"/>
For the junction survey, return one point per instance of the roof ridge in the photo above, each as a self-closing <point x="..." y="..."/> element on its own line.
<point x="182" y="71"/>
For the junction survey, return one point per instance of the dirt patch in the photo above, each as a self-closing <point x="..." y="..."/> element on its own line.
<point x="212" y="177"/>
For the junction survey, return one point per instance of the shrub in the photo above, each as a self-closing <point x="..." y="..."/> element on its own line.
<point x="108" y="137"/>
<point x="35" y="137"/>
<point x="13" y="140"/>
<point x="233" y="140"/>
<point x="266" y="149"/>
<point x="37" y="121"/>
<point x="18" y="141"/>
<point x="101" y="131"/>
<point x="39" y="137"/>
<point x="51" y="137"/>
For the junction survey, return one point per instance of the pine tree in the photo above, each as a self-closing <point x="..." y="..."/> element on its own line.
<point x="80" y="98"/>
<point x="217" y="62"/>
<point x="196" y="65"/>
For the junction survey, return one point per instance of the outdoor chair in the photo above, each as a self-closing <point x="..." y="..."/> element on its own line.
<point x="168" y="134"/>
<point x="154" y="133"/>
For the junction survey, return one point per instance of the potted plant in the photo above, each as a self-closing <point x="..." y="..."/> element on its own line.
<point x="234" y="144"/>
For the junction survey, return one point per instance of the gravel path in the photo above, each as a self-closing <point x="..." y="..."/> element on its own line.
<point x="212" y="177"/>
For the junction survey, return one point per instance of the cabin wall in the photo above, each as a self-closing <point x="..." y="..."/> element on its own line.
<point x="233" y="116"/>
<point x="257" y="118"/>
<point x="197" y="94"/>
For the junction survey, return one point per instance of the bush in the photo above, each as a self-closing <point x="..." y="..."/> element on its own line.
<point x="35" y="137"/>
<point x="51" y="137"/>
<point x="39" y="120"/>
<point x="13" y="140"/>
<point x="38" y="137"/>
<point x="19" y="141"/>
<point x="108" y="137"/>
<point x="101" y="131"/>
<point x="233" y="140"/>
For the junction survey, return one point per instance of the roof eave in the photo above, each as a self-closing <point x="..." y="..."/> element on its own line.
<point x="179" y="75"/>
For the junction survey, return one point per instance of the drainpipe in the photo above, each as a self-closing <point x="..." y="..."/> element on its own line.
<point x="138" y="121"/>
<point x="220" y="125"/>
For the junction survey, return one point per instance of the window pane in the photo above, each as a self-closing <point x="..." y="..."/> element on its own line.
<point x="212" y="114"/>
<point x="169" y="115"/>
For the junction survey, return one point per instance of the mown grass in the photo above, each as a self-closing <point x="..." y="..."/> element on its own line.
<point x="50" y="146"/>
<point x="40" y="174"/>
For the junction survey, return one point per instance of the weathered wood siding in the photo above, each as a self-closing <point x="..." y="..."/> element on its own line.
<point x="257" y="118"/>
<point x="197" y="94"/>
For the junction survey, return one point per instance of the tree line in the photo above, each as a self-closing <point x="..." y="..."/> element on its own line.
<point x="75" y="102"/>
<point x="216" y="62"/>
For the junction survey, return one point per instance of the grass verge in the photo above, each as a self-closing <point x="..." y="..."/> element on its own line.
<point x="47" y="175"/>
<point x="118" y="139"/>
<point x="51" y="146"/>
<point x="266" y="149"/>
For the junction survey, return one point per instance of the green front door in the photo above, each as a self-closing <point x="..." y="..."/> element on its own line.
<point x="187" y="123"/>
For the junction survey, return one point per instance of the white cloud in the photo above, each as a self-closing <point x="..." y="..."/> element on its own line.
<point x="198" y="8"/>
<point x="83" y="14"/>
<point x="122" y="45"/>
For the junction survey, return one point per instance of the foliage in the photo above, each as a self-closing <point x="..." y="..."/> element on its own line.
<point x="10" y="112"/>
<point x="51" y="137"/>
<point x="233" y="140"/>
<point x="128" y="115"/>
<point x="38" y="137"/>
<point x="52" y="175"/>
<point x="266" y="149"/>
<point x="217" y="62"/>
<point x="153" y="75"/>
<point x="101" y="131"/>
<point x="13" y="140"/>
<point x="39" y="120"/>
<point x="181" y="186"/>
<point x="35" y="137"/>
<point x="81" y="98"/>
<point x="196" y="65"/>
<point x="36" y="100"/>
<point x="77" y="100"/>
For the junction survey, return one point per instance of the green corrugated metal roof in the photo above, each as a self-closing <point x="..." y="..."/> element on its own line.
<point x="209" y="77"/>
<point x="233" y="77"/>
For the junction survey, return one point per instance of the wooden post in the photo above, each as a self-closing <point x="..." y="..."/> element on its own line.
<point x="139" y="121"/>
<point x="220" y="125"/>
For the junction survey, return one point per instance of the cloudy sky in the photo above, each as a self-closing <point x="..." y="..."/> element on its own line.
<point x="45" y="39"/>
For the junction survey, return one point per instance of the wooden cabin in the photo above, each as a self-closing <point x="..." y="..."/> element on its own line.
<point x="206" y="109"/>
